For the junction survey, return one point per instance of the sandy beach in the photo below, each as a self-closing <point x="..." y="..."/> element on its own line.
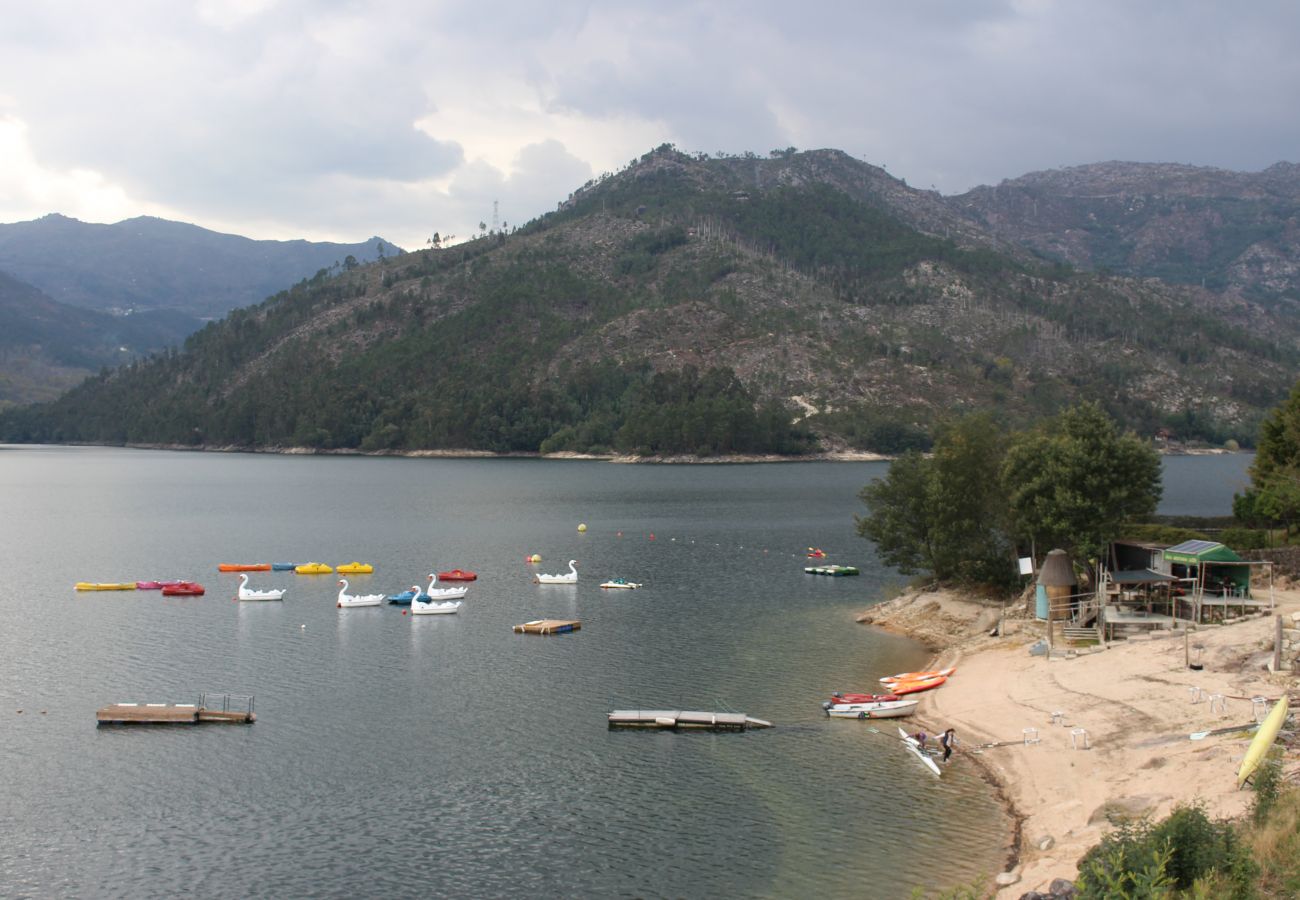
<point x="1121" y="741"/>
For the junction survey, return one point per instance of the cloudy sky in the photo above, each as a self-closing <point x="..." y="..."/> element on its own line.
<point x="336" y="120"/>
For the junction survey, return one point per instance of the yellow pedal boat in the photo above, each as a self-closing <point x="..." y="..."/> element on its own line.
<point x="313" y="569"/>
<point x="355" y="568"/>
<point x="105" y="586"/>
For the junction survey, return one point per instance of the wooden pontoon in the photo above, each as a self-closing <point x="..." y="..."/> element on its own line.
<point x="210" y="708"/>
<point x="683" y="718"/>
<point x="548" y="626"/>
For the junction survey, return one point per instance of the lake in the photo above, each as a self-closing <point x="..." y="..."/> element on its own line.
<point x="397" y="755"/>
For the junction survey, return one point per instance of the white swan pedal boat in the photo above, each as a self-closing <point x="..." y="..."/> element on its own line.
<point x="247" y="593"/>
<point x="570" y="577"/>
<point x="349" y="600"/>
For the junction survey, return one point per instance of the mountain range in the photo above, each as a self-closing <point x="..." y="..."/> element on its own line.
<point x="799" y="302"/>
<point x="75" y="296"/>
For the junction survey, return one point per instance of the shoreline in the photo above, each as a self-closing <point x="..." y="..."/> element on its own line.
<point x="1121" y="746"/>
<point x="618" y="458"/>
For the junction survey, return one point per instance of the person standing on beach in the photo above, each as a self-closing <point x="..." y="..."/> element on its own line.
<point x="948" y="739"/>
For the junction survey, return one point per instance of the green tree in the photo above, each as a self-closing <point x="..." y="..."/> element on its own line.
<point x="944" y="515"/>
<point x="1073" y="480"/>
<point x="1274" y="495"/>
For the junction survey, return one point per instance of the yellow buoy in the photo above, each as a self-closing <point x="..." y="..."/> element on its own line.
<point x="582" y="527"/>
<point x="536" y="557"/>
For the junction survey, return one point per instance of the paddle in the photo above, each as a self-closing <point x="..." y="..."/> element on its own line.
<point x="1202" y="735"/>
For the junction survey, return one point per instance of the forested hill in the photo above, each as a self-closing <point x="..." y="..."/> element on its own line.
<point x="46" y="347"/>
<point x="151" y="264"/>
<point x="689" y="304"/>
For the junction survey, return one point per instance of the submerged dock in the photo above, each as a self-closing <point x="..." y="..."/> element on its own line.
<point x="548" y="626"/>
<point x="210" y="708"/>
<point x="683" y="718"/>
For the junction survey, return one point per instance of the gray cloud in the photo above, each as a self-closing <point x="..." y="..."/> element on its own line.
<point x="344" y="119"/>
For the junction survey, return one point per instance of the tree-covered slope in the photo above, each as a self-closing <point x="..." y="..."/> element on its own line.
<point x="47" y="347"/>
<point x="678" y="307"/>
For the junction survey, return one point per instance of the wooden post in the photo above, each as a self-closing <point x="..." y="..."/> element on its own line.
<point x="1277" y="643"/>
<point x="1187" y="656"/>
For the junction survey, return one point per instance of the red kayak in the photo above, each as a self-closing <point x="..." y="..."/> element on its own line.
<point x="183" y="589"/>
<point x="920" y="684"/>
<point x="917" y="676"/>
<point x="842" y="697"/>
<point x="457" y="575"/>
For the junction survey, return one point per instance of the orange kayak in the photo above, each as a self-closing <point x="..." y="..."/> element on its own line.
<point x="921" y="684"/>
<point x="917" y="676"/>
<point x="244" y="567"/>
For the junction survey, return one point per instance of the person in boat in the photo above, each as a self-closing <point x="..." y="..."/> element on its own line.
<point x="920" y="737"/>
<point x="947" y="741"/>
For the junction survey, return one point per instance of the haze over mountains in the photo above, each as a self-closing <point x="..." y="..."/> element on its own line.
<point x="696" y="304"/>
<point x="76" y="296"/>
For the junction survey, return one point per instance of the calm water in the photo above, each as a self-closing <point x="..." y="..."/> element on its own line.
<point x="446" y="755"/>
<point x="1204" y="485"/>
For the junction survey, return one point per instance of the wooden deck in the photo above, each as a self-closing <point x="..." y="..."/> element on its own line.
<point x="683" y="718"/>
<point x="174" y="713"/>
<point x="548" y="626"/>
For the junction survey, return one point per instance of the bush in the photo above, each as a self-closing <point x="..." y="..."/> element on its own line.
<point x="1186" y="851"/>
<point x="1244" y="538"/>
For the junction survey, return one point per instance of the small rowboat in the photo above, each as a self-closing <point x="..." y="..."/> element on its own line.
<point x="915" y="687"/>
<point x="184" y="589"/>
<point x="891" y="709"/>
<point x="105" y="586"/>
<point x="916" y="676"/>
<point x="243" y="567"/>
<point x="148" y="585"/>
<point x="283" y="567"/>
<point x="620" y="583"/>
<point x="457" y="575"/>
<point x="355" y="568"/>
<point x="313" y="568"/>
<point x="850" y="697"/>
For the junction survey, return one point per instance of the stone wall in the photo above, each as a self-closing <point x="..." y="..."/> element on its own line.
<point x="1286" y="560"/>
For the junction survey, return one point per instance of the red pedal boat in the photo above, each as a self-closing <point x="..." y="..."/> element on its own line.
<point x="457" y="575"/>
<point x="183" y="589"/>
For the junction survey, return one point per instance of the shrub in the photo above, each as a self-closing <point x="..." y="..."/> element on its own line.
<point x="1186" y="851"/>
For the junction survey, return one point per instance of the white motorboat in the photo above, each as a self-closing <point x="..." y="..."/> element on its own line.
<point x="348" y="600"/>
<point x="247" y="593"/>
<point x="881" y="709"/>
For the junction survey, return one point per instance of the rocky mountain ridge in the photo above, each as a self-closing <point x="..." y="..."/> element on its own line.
<point x="693" y="304"/>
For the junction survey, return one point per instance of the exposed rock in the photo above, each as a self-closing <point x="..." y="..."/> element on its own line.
<point x="1046" y="843"/>
<point x="1006" y="879"/>
<point x="1064" y="888"/>
<point x="1125" y="807"/>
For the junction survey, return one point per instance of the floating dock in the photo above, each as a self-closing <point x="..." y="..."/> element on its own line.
<point x="210" y="708"/>
<point x="548" y="626"/>
<point x="683" y="718"/>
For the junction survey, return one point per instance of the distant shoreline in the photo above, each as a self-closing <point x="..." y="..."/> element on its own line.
<point x="675" y="459"/>
<point x="626" y="459"/>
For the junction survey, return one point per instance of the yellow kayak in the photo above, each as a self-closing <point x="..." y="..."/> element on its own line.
<point x="105" y="586"/>
<point x="355" y="568"/>
<point x="1263" y="740"/>
<point x="313" y="569"/>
